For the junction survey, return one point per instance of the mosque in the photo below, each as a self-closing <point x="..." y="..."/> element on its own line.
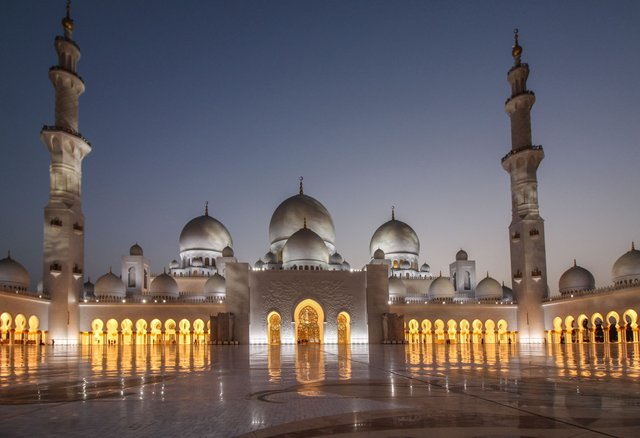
<point x="302" y="290"/>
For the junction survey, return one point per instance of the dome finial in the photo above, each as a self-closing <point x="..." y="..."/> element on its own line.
<point x="487" y="274"/>
<point x="574" y="263"/>
<point x="304" y="225"/>
<point x="301" y="191"/>
<point x="67" y="22"/>
<point x="9" y="254"/>
<point x="393" y="212"/>
<point x="206" y="208"/>
<point x="633" y="246"/>
<point x="516" y="50"/>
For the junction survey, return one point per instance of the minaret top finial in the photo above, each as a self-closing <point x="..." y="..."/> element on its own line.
<point x="9" y="254"/>
<point x="206" y="208"/>
<point x="67" y="22"/>
<point x="393" y="212"/>
<point x="301" y="191"/>
<point x="633" y="246"/>
<point x="516" y="50"/>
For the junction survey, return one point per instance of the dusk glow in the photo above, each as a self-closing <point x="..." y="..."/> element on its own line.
<point x="374" y="103"/>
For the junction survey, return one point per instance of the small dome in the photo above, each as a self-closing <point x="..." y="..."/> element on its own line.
<point x="346" y="266"/>
<point x="204" y="233"/>
<point x="395" y="237"/>
<point x="88" y="290"/>
<point x="507" y="293"/>
<point x="289" y="215"/>
<point x="135" y="250"/>
<point x="270" y="258"/>
<point x="425" y="268"/>
<point x="462" y="255"/>
<point x="335" y="258"/>
<point x="174" y="264"/>
<point x="215" y="285"/>
<point x="405" y="265"/>
<point x="259" y="264"/>
<point x="378" y="254"/>
<point x="397" y="287"/>
<point x="441" y="287"/>
<point x="227" y="251"/>
<point x="303" y="247"/>
<point x="110" y="285"/>
<point x="13" y="274"/>
<point x="164" y="285"/>
<point x="488" y="288"/>
<point x="576" y="278"/>
<point x="626" y="269"/>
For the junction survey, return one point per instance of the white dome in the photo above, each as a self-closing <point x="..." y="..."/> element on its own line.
<point x="425" y="268"/>
<point x="291" y="213"/>
<point x="395" y="237"/>
<point x="336" y="259"/>
<point x="576" y="278"/>
<point x="378" y="254"/>
<point x="507" y="293"/>
<point x="215" y="285"/>
<point x="488" y="288"/>
<point x="397" y="287"/>
<point x="164" y="285"/>
<point x="174" y="264"/>
<point x="89" y="289"/>
<point x="259" y="264"/>
<point x="204" y="233"/>
<point x="627" y="267"/>
<point x="441" y="287"/>
<point x="346" y="266"/>
<point x="13" y="274"/>
<point x="110" y="285"/>
<point x="227" y="251"/>
<point x="270" y="258"/>
<point x="462" y="255"/>
<point x="305" y="247"/>
<point x="136" y="250"/>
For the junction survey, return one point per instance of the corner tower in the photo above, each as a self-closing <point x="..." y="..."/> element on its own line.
<point x="526" y="232"/>
<point x="63" y="252"/>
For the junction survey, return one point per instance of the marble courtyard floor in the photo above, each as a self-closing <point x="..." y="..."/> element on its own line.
<point x="306" y="391"/>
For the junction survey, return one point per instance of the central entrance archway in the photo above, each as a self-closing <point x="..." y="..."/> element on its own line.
<point x="309" y="319"/>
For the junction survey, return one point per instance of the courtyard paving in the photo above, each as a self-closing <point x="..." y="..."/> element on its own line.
<point x="305" y="391"/>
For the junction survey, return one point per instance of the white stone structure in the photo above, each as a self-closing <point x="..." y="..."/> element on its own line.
<point x="302" y="290"/>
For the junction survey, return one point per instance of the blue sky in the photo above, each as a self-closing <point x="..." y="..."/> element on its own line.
<point x="376" y="103"/>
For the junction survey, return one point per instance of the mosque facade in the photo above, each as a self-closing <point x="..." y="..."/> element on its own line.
<point x="302" y="290"/>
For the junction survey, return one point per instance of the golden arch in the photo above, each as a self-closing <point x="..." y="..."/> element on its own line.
<point x="141" y="332"/>
<point x="439" y="331"/>
<point x="5" y="324"/>
<point x="477" y="337"/>
<point x="503" y="331"/>
<point x="20" y="322"/>
<point x="273" y="328"/>
<point x="452" y="331"/>
<point x="112" y="331"/>
<point x="344" y="328"/>
<point x="198" y="332"/>
<point x="613" y="314"/>
<point x="185" y="331"/>
<point x="464" y="331"/>
<point x="127" y="331"/>
<point x="309" y="322"/>
<point x="156" y="331"/>
<point x="490" y="331"/>
<point x="97" y="327"/>
<point x="170" y="331"/>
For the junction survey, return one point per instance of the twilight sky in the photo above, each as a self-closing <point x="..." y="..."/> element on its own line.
<point x="375" y="103"/>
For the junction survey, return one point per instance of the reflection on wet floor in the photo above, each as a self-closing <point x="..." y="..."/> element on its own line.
<point x="334" y="387"/>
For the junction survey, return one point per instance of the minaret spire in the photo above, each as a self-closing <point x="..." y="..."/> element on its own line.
<point x="393" y="212"/>
<point x="528" y="257"/>
<point x="301" y="190"/>
<point x="206" y="208"/>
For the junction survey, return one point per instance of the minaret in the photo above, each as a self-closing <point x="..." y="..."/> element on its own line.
<point x="526" y="232"/>
<point x="63" y="252"/>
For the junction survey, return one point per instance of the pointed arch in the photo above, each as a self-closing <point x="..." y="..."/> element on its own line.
<point x="309" y="322"/>
<point x="344" y="328"/>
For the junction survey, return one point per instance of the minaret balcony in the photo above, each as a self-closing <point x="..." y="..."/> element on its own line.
<point x="517" y="277"/>
<point x="77" y="228"/>
<point x="56" y="222"/>
<point x="515" y="237"/>
<point x="53" y="128"/>
<point x="77" y="272"/>
<point x="536" y="274"/>
<point x="67" y="40"/>
<point x="57" y="68"/>
<point x="513" y="152"/>
<point x="526" y="99"/>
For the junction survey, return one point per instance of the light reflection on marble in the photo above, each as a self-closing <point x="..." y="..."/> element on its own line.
<point x="312" y="390"/>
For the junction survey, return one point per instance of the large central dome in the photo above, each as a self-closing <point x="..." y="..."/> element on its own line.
<point x="290" y="215"/>
<point x="204" y="233"/>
